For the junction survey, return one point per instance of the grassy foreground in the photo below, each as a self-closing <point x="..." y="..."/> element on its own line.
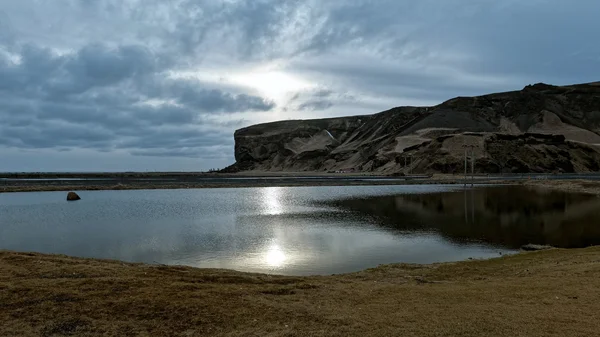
<point x="550" y="293"/>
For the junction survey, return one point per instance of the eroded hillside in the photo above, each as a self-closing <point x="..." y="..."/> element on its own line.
<point x="541" y="128"/>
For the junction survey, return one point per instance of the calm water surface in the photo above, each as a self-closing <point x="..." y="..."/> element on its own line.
<point x="297" y="230"/>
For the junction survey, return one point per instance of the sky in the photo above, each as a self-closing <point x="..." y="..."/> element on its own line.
<point x="153" y="85"/>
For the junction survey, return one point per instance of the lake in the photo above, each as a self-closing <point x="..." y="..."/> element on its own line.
<point x="298" y="230"/>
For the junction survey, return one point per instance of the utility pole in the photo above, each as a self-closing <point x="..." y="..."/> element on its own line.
<point x="472" y="166"/>
<point x="465" y="166"/>
<point x="473" y="205"/>
<point x="466" y="212"/>
<point x="469" y="151"/>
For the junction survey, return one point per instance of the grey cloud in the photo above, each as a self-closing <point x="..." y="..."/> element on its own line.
<point x="157" y="135"/>
<point x="42" y="73"/>
<point x="57" y="135"/>
<point x="177" y="138"/>
<point x="236" y="123"/>
<point x="323" y="93"/>
<point x="49" y="111"/>
<point x="247" y="28"/>
<point x="215" y="100"/>
<point x="393" y="79"/>
<point x="191" y="153"/>
<point x="7" y="34"/>
<point x="95" y="99"/>
<point x="318" y="99"/>
<point x="526" y="40"/>
<point x="96" y="65"/>
<point x="162" y="115"/>
<point x="184" y="26"/>
<point x="315" y="105"/>
<point x="218" y="152"/>
<point x="58" y="125"/>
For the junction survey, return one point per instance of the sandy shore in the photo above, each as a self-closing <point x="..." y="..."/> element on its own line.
<point x="549" y="293"/>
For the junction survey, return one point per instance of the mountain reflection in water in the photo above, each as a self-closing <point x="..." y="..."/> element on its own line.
<point x="508" y="216"/>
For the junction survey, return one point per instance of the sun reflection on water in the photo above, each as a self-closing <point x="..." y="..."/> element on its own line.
<point x="271" y="200"/>
<point x="275" y="257"/>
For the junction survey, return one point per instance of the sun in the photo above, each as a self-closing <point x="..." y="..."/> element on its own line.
<point x="270" y="81"/>
<point x="273" y="84"/>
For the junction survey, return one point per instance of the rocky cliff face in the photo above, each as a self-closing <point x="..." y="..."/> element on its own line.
<point x="541" y="128"/>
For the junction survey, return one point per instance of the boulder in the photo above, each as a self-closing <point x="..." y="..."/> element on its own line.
<point x="72" y="196"/>
<point x="532" y="247"/>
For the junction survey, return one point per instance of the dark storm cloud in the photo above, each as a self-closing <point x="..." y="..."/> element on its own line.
<point x="191" y="94"/>
<point x="96" y="98"/>
<point x="60" y="125"/>
<point x="43" y="74"/>
<point x="98" y="66"/>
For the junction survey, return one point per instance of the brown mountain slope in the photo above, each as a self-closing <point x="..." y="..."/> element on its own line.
<point x="541" y="128"/>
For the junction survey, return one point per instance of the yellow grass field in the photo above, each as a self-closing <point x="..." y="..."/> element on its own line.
<point x="549" y="293"/>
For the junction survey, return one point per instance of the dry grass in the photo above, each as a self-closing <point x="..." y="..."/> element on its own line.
<point x="551" y="293"/>
<point x="581" y="186"/>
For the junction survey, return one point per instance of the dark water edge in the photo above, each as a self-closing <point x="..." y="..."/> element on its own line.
<point x="505" y="216"/>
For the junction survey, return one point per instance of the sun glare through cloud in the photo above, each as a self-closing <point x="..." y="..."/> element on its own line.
<point x="274" y="84"/>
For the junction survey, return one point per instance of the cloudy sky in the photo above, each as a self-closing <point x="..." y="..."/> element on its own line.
<point x="153" y="85"/>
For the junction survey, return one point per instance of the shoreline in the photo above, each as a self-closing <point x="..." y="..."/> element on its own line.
<point x="533" y="293"/>
<point x="133" y="186"/>
<point x="567" y="185"/>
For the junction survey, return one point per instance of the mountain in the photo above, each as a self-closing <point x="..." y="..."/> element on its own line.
<point x="541" y="128"/>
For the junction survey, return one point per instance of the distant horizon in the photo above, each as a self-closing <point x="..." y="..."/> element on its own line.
<point x="99" y="172"/>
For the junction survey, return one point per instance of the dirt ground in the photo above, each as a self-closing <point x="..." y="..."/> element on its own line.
<point x="549" y="293"/>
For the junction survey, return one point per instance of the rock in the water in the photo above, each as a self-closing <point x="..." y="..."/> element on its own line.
<point x="531" y="247"/>
<point x="72" y="196"/>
